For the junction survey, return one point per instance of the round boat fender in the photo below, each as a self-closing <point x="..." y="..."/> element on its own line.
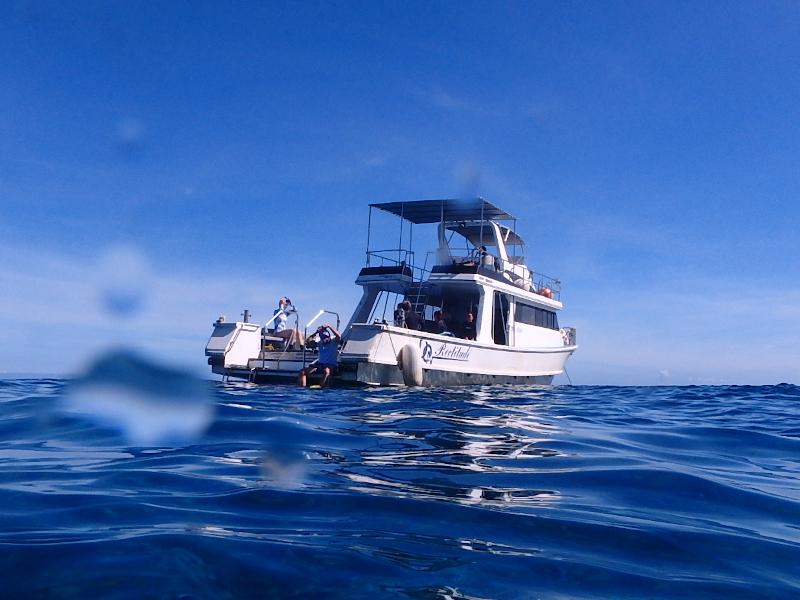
<point x="410" y="363"/>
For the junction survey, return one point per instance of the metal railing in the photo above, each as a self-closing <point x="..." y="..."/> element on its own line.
<point x="397" y="257"/>
<point x="264" y="331"/>
<point x="388" y="256"/>
<point x="545" y="282"/>
<point x="544" y="285"/>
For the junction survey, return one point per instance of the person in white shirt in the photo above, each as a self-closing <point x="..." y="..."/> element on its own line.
<point x="290" y="334"/>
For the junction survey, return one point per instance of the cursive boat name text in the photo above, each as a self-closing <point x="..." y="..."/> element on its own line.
<point x="446" y="352"/>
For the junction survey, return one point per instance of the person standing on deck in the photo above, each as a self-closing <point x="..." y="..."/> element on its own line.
<point x="468" y="328"/>
<point x="412" y="318"/>
<point x="328" y="355"/>
<point x="400" y="316"/>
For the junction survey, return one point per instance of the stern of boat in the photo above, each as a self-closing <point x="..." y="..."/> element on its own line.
<point x="232" y="345"/>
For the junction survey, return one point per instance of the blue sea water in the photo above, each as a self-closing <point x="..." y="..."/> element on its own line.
<point x="480" y="492"/>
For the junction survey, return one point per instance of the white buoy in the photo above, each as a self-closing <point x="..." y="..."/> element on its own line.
<point x="410" y="363"/>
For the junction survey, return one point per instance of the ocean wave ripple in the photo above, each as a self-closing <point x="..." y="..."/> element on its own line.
<point x="484" y="492"/>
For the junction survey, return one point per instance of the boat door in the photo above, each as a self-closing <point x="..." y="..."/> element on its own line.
<point x="500" y="319"/>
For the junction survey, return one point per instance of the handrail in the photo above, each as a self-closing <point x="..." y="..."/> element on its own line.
<point x="278" y="312"/>
<point x="535" y="282"/>
<point x="316" y="316"/>
<point x="286" y="343"/>
<point x="521" y="275"/>
<point x="405" y="257"/>
<point x="321" y="312"/>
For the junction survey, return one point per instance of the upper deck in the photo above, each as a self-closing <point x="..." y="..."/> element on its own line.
<point x="491" y="251"/>
<point x="448" y="209"/>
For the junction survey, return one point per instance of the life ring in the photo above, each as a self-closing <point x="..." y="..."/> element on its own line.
<point x="409" y="362"/>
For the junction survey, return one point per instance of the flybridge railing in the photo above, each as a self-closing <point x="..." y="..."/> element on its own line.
<point x="539" y="283"/>
<point x="542" y="283"/>
<point x="394" y="256"/>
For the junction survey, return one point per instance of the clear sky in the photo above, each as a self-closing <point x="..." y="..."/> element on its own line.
<point x="212" y="157"/>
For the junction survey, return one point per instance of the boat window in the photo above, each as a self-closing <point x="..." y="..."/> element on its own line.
<point x="454" y="305"/>
<point x="500" y="319"/>
<point x="532" y="315"/>
<point x="383" y="306"/>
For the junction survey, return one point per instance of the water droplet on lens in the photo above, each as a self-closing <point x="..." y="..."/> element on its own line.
<point x="284" y="467"/>
<point x="124" y="280"/>
<point x="130" y="137"/>
<point x="148" y="404"/>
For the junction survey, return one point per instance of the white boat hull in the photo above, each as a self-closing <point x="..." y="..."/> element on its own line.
<point x="370" y="357"/>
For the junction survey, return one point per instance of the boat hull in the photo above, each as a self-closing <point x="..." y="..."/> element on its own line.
<point x="373" y="374"/>
<point x="370" y="358"/>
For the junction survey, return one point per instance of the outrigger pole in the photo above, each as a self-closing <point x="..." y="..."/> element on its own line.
<point x="410" y="246"/>
<point x="483" y="203"/>
<point x="369" y="229"/>
<point x="402" y="218"/>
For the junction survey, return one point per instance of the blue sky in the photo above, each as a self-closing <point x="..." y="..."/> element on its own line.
<point x="228" y="152"/>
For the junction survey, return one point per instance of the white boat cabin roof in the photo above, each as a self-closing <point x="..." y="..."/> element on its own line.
<point x="479" y="235"/>
<point x="449" y="209"/>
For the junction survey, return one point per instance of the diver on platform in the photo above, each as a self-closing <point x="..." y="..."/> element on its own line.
<point x="328" y="343"/>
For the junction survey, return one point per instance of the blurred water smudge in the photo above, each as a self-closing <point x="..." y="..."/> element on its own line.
<point x="467" y="177"/>
<point x="130" y="138"/>
<point x="148" y="404"/>
<point x="284" y="460"/>
<point x="125" y="280"/>
<point x="284" y="467"/>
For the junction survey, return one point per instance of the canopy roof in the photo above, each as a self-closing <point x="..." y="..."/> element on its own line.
<point x="432" y="211"/>
<point x="483" y="236"/>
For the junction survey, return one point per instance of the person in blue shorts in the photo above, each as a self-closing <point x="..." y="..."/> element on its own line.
<point x="328" y="345"/>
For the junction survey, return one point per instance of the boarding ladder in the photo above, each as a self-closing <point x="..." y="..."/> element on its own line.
<point x="418" y="297"/>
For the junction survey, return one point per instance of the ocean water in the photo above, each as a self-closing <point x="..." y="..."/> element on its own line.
<point x="482" y="492"/>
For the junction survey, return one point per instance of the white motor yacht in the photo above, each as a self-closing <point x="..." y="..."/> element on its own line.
<point x="478" y="268"/>
<point x="480" y="314"/>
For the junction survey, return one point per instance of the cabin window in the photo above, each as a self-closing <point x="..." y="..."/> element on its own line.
<point x="500" y="319"/>
<point x="454" y="304"/>
<point x="533" y="315"/>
